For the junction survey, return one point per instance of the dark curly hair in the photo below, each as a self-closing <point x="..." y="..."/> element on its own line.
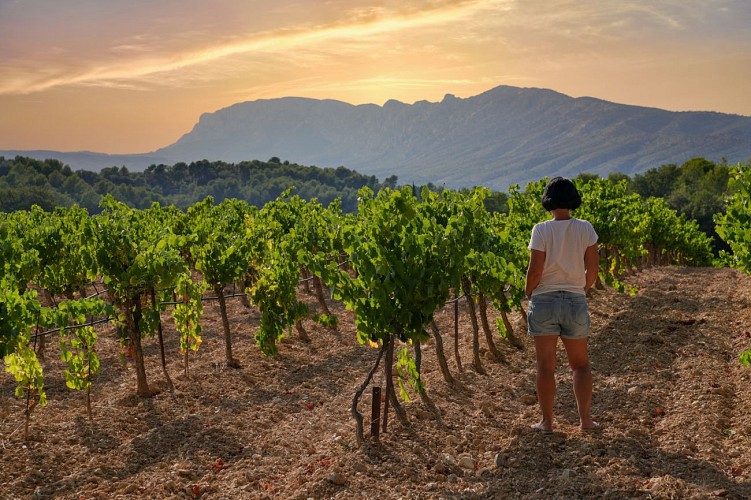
<point x="560" y="193"/>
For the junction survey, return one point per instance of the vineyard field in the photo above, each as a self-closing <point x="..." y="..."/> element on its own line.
<point x="671" y="395"/>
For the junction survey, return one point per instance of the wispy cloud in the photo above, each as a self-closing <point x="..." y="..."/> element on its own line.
<point x="367" y="29"/>
<point x="358" y="25"/>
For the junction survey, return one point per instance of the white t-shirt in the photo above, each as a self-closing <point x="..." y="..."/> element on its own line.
<point x="564" y="243"/>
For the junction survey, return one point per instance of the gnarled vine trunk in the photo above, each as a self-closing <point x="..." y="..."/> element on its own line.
<point x="132" y="315"/>
<point x="440" y="354"/>
<point x="483" y="307"/>
<point x="161" y="343"/>
<point x="231" y="361"/>
<point x="476" y="362"/>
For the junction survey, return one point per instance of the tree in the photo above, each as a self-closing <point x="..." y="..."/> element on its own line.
<point x="656" y="182"/>
<point x="390" y="182"/>
<point x="23" y="198"/>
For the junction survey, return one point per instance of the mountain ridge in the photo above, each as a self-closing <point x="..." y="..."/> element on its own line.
<point x="502" y="136"/>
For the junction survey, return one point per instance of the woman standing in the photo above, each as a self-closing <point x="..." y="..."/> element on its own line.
<point x="562" y="268"/>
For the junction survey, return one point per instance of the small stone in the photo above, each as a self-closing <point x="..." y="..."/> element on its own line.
<point x="485" y="471"/>
<point x="421" y="414"/>
<point x="500" y="460"/>
<point x="431" y="486"/>
<point x="466" y="462"/>
<point x="528" y="399"/>
<point x="359" y="467"/>
<point x="725" y="391"/>
<point x="567" y="473"/>
<point x="452" y="440"/>
<point x="448" y="459"/>
<point x="336" y="479"/>
<point x="440" y="468"/>
<point x="633" y="390"/>
<point x="720" y="493"/>
<point x="487" y="409"/>
<point x="477" y="442"/>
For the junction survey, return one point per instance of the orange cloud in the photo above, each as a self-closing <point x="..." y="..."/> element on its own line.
<point x="358" y="25"/>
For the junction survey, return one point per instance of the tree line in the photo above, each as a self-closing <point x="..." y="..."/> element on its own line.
<point x="50" y="183"/>
<point x="697" y="188"/>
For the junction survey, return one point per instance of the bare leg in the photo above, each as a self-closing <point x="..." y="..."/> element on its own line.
<point x="578" y="360"/>
<point x="545" y="350"/>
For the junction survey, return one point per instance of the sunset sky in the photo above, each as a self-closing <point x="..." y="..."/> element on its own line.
<point x="129" y="77"/>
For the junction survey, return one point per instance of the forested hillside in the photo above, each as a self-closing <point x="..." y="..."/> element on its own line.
<point x="49" y="183"/>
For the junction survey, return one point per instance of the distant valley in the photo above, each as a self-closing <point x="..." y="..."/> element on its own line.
<point x="503" y="136"/>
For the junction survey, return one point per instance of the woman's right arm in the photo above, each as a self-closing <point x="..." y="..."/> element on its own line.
<point x="591" y="266"/>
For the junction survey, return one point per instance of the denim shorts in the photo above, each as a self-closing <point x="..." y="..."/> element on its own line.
<point x="558" y="313"/>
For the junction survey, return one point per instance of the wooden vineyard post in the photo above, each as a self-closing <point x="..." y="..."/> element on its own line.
<point x="375" y="415"/>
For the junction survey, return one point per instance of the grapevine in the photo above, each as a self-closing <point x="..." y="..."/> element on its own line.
<point x="735" y="226"/>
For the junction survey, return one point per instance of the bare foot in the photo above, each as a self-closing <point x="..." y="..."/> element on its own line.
<point x="542" y="427"/>
<point x="592" y="426"/>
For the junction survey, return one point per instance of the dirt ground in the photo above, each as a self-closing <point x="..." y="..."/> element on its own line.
<point x="672" y="398"/>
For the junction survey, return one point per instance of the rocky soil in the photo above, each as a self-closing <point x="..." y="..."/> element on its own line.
<point x="672" y="398"/>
